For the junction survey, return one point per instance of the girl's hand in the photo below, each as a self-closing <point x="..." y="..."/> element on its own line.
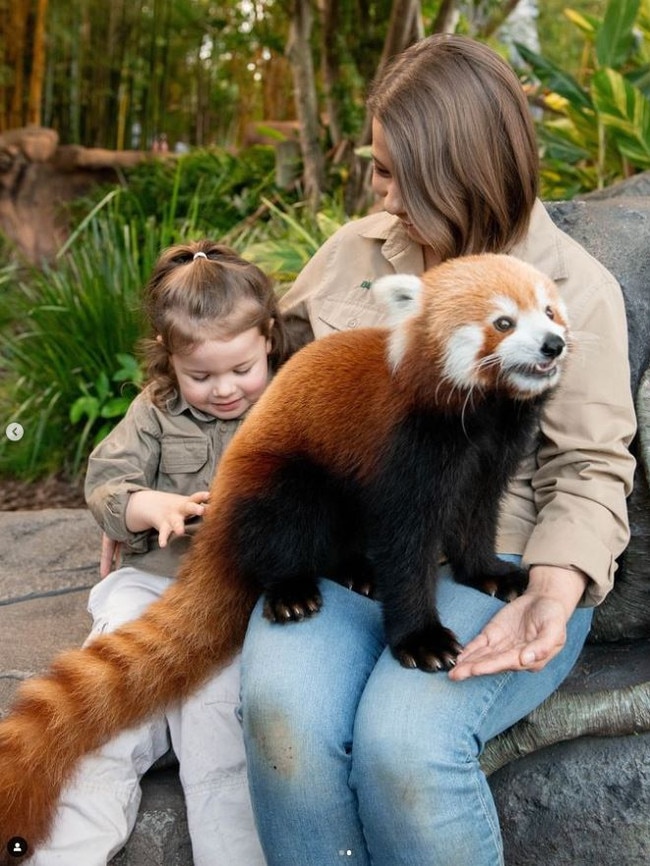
<point x="110" y="556"/>
<point x="166" y="512"/>
<point x="529" y="631"/>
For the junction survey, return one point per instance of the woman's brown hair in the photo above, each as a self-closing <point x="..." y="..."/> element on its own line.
<point x="462" y="140"/>
<point x="205" y="290"/>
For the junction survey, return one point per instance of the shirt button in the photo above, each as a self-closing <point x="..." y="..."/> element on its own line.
<point x="353" y="323"/>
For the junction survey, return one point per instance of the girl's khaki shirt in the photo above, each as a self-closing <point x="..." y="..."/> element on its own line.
<point x="566" y="507"/>
<point x="175" y="450"/>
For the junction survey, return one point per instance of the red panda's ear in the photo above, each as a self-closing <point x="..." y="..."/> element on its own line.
<point x="400" y="295"/>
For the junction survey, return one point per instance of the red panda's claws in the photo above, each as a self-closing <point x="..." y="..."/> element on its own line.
<point x="292" y="602"/>
<point x="430" y="649"/>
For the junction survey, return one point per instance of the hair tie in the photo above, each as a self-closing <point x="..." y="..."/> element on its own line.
<point x="199" y="255"/>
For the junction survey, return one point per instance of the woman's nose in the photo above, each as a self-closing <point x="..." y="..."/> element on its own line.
<point x="393" y="199"/>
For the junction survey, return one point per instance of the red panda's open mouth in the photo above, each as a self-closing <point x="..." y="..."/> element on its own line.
<point x="546" y="368"/>
<point x="543" y="370"/>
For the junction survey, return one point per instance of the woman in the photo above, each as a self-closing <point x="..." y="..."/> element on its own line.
<point x="353" y="758"/>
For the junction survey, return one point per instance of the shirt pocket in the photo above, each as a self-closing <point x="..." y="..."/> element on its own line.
<point x="354" y="309"/>
<point x="183" y="455"/>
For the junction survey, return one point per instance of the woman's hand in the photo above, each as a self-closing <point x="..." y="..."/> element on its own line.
<point x="529" y="631"/>
<point x="166" y="512"/>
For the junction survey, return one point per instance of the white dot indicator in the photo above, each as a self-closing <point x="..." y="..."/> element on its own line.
<point x="14" y="431"/>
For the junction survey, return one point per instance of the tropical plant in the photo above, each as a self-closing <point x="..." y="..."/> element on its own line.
<point x="72" y="327"/>
<point x="105" y="401"/>
<point x="283" y="244"/>
<point x="595" y="126"/>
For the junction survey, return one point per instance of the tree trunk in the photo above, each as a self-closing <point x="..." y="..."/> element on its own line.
<point x="404" y="28"/>
<point x="445" y="19"/>
<point x="302" y="67"/>
<point x="611" y="713"/>
<point x="16" y="44"/>
<point x="37" y="78"/>
<point x="330" y="66"/>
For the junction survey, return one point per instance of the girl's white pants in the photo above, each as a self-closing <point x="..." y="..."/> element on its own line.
<point x="98" y="810"/>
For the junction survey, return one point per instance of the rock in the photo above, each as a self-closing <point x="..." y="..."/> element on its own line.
<point x="160" y="836"/>
<point x="50" y="560"/>
<point x="582" y="802"/>
<point x="612" y="231"/>
<point x="613" y="226"/>
<point x="72" y="157"/>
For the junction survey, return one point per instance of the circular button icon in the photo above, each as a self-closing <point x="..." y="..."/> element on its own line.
<point x="14" y="431"/>
<point x="17" y="846"/>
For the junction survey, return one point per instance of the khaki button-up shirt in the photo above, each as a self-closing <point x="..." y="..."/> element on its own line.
<point x="175" y="451"/>
<point x="566" y="507"/>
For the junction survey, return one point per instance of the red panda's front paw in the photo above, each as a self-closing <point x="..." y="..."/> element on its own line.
<point x="292" y="601"/>
<point x="430" y="649"/>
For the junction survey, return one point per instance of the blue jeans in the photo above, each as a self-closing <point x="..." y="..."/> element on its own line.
<point x="355" y="759"/>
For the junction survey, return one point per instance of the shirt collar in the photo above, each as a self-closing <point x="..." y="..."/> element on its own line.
<point x="177" y="405"/>
<point x="398" y="248"/>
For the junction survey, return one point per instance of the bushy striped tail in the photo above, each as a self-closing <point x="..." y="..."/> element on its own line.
<point x="91" y="694"/>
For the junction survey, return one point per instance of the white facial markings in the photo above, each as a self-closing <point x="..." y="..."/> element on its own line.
<point x="504" y="306"/>
<point x="463" y="349"/>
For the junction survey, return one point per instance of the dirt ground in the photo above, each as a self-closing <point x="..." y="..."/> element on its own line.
<point x="50" y="492"/>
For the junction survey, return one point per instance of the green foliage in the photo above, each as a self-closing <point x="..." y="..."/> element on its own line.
<point x="209" y="189"/>
<point x="71" y="322"/>
<point x="106" y="400"/>
<point x="596" y="124"/>
<point x="72" y="327"/>
<point x="283" y="244"/>
<point x="68" y="368"/>
<point x="558" y="40"/>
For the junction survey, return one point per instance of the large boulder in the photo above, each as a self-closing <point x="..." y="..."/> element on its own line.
<point x="614" y="225"/>
<point x="580" y="792"/>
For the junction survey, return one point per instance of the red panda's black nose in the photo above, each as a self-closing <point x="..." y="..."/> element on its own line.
<point x="552" y="346"/>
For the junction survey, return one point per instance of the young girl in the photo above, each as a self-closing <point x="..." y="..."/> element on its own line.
<point x="216" y="339"/>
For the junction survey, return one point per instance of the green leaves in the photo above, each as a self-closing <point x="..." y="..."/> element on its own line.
<point x="596" y="126"/>
<point x="100" y="402"/>
<point x="555" y="78"/>
<point x="625" y="112"/>
<point x="614" y="38"/>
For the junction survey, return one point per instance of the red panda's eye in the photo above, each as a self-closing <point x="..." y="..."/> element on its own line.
<point x="504" y="323"/>
<point x="550" y="312"/>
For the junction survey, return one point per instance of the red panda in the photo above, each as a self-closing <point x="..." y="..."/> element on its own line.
<point x="372" y="454"/>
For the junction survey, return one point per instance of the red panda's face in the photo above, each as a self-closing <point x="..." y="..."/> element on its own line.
<point x="476" y="323"/>
<point x="509" y="334"/>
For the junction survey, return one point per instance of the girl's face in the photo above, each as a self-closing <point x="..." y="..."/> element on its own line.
<point x="384" y="183"/>
<point x="224" y="377"/>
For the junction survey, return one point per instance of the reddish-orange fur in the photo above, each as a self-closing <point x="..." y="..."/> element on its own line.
<point x="91" y="694"/>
